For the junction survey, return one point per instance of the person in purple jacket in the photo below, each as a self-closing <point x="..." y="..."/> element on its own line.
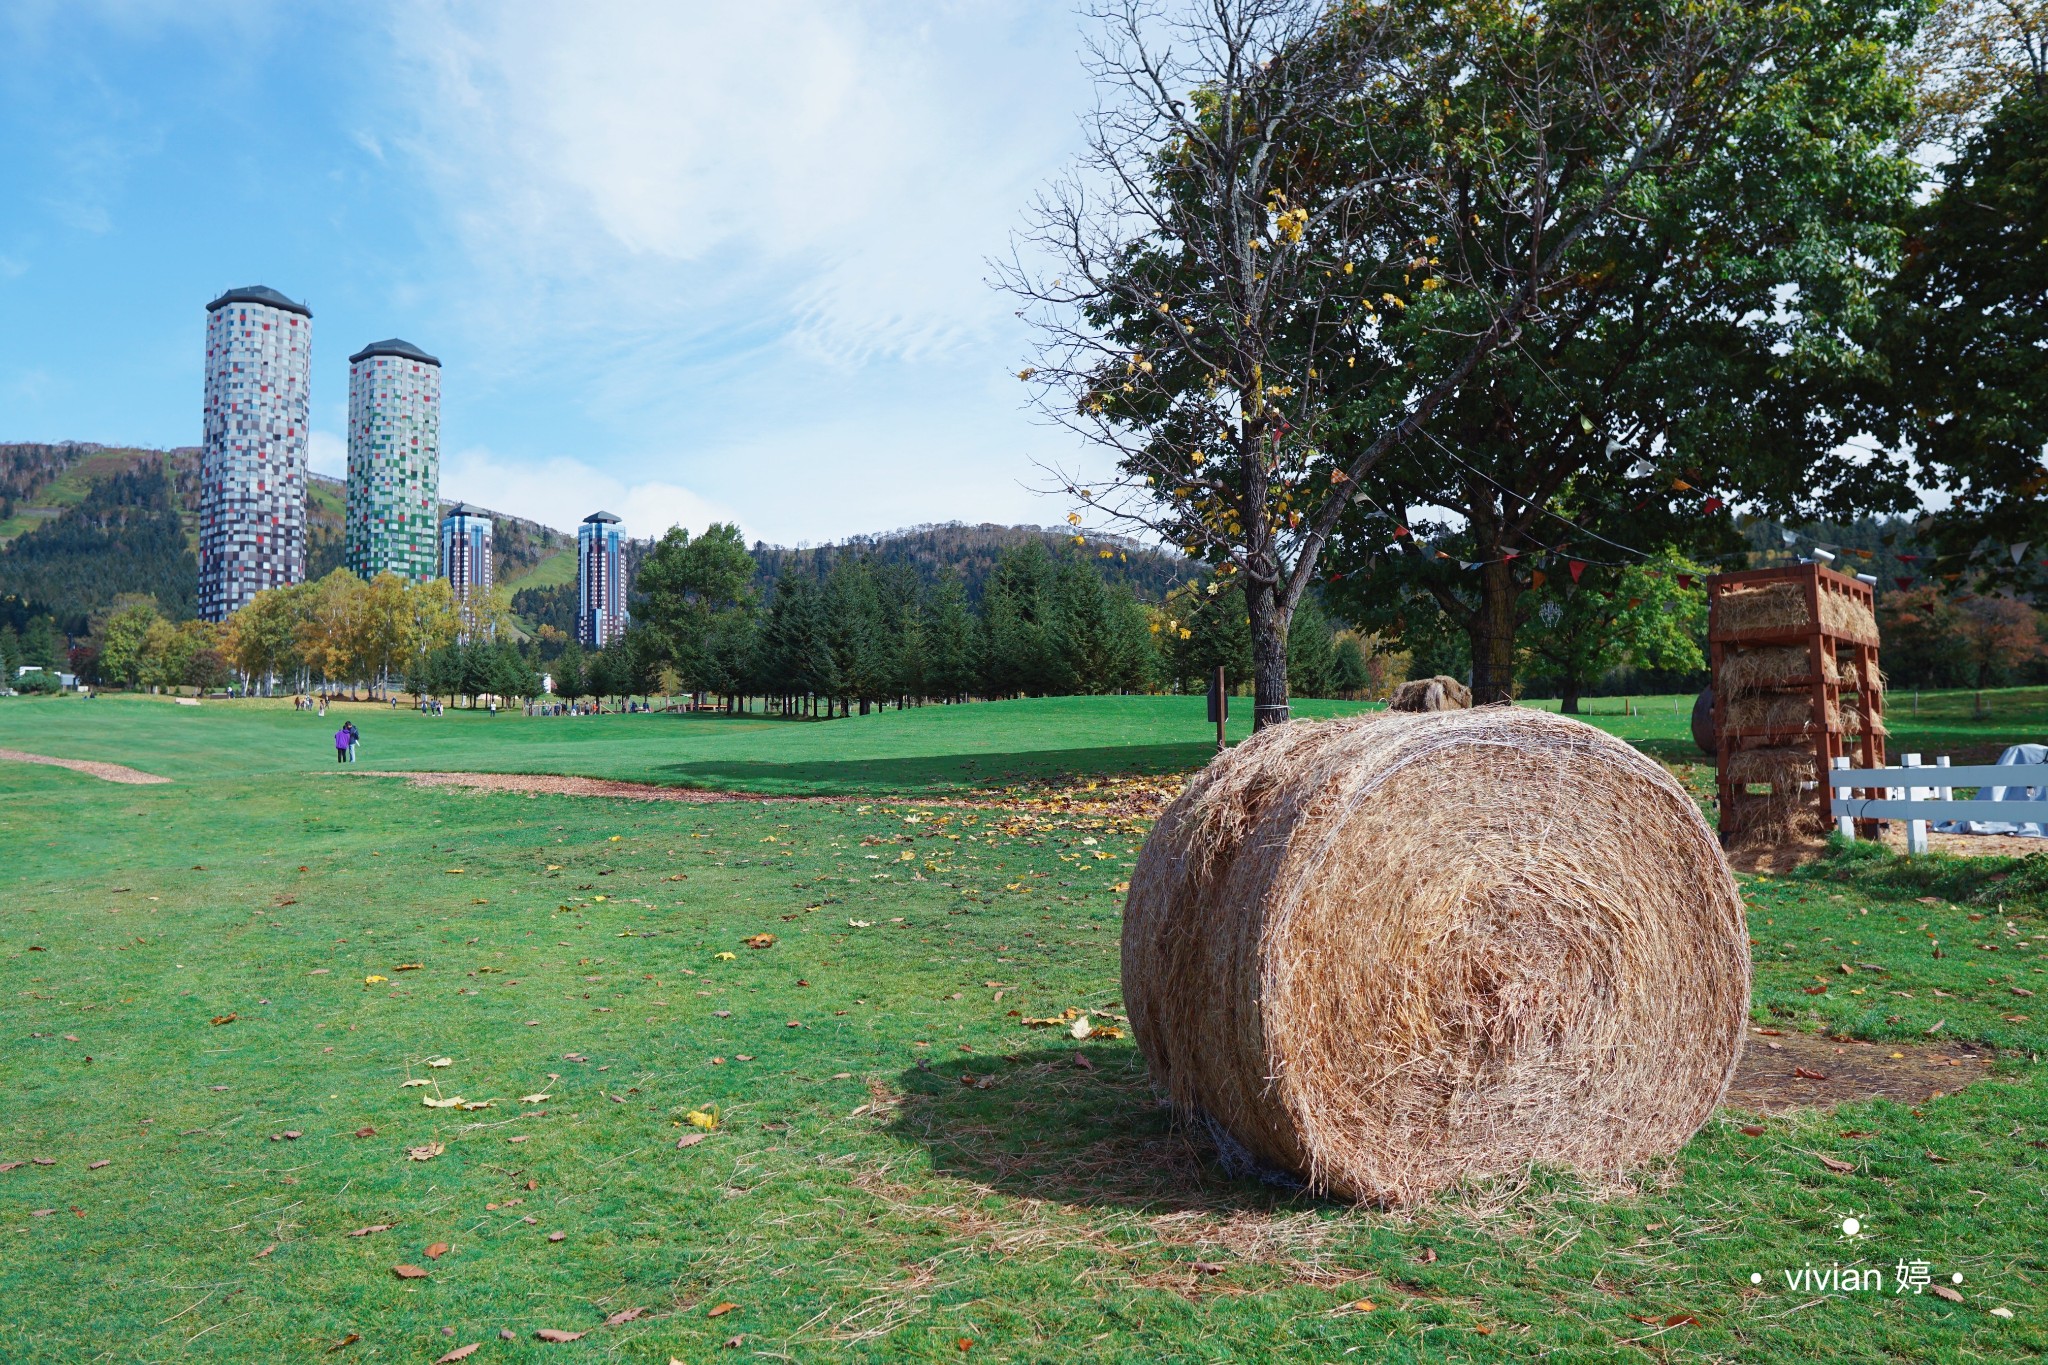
<point x="341" y="739"/>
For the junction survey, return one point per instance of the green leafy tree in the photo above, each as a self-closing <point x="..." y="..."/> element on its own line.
<point x="123" y="638"/>
<point x="1651" y="615"/>
<point x="1365" y="219"/>
<point x="684" y="587"/>
<point x="1968" y="344"/>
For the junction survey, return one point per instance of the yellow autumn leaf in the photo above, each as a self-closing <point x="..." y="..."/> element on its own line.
<point x="541" y="1098"/>
<point x="707" y="1119"/>
<point x="1081" y="1028"/>
<point x="615" y="838"/>
<point x="725" y="957"/>
<point x="373" y="980"/>
<point x="554" y="867"/>
<point x="455" y="872"/>
<point x="427" y="1152"/>
<point x="432" y="1103"/>
<point x="861" y="923"/>
<point x="600" y="898"/>
<point x="476" y="1104"/>
<point x="906" y="856"/>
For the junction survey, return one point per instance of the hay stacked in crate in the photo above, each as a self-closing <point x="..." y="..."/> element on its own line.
<point x="1796" y="686"/>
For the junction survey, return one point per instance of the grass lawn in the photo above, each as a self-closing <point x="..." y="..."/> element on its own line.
<point x="901" y="1170"/>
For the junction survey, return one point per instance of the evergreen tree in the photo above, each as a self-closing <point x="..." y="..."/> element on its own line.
<point x="1311" y="652"/>
<point x="953" y="642"/>
<point x="1350" y="676"/>
<point x="1021" y="623"/>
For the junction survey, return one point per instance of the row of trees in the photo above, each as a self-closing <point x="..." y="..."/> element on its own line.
<point x="1421" y="304"/>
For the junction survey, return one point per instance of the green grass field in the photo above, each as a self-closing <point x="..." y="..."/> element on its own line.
<point x="901" y="1170"/>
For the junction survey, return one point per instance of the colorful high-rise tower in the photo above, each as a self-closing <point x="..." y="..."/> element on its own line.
<point x="394" y="460"/>
<point x="600" y="588"/>
<point x="466" y="551"/>
<point x="252" y="463"/>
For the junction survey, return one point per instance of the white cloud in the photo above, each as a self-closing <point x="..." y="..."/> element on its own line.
<point x="695" y="230"/>
<point x="327" y="453"/>
<point x="560" y="492"/>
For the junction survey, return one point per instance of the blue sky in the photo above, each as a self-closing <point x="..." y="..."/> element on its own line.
<point x="680" y="260"/>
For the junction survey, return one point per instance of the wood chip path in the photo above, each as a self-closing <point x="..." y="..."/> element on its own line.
<point x="106" y="772"/>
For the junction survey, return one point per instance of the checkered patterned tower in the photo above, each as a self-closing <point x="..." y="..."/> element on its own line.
<point x="394" y="460"/>
<point x="252" y="464"/>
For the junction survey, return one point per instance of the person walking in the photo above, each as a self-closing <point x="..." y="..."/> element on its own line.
<point x="341" y="745"/>
<point x="354" y="738"/>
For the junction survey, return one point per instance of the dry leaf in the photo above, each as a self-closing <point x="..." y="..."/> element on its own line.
<point x="225" y="1018"/>
<point x="437" y="1061"/>
<point x="1943" y="1291"/>
<point x="437" y="1251"/>
<point x="430" y="1102"/>
<point x="407" y="1085"/>
<point x="409" y="1272"/>
<point x="759" y="940"/>
<point x="1427" y="1256"/>
<point x="373" y="979"/>
<point x="1751" y="1130"/>
<point x="374" y="1227"/>
<point x="720" y="1310"/>
<point x="1834" y="1165"/>
<point x="1807" y="1075"/>
<point x="535" y="1099"/>
<point x="1938" y="1160"/>
<point x="557" y="1236"/>
<point x="366" y="1131"/>
<point x="93" y="1166"/>
<point x="2001" y="1312"/>
<point x="689" y="1139"/>
<point x="351" y="1339"/>
<point x="706" y="1119"/>
<point x="557" y="1334"/>
<point x="623" y="1315"/>
<point x="459" y="1353"/>
<point x="426" y="1153"/>
<point x="1208" y="1268"/>
<point x="408" y="966"/>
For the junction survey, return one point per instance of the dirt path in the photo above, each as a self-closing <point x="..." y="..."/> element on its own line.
<point x="106" y="772"/>
<point x="1789" y="1069"/>
<point x="555" y="784"/>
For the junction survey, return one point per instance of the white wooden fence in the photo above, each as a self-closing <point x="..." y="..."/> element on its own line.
<point x="1908" y="797"/>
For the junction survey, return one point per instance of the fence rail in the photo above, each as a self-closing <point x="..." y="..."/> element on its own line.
<point x="1917" y="793"/>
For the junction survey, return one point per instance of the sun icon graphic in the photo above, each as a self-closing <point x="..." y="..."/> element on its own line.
<point x="1851" y="1226"/>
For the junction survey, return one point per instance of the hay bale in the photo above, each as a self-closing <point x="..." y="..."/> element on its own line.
<point x="1775" y="767"/>
<point x="1764" y="667"/>
<point x="1791" y="712"/>
<point x="1389" y="953"/>
<point x="1783" y="814"/>
<point x="1431" y="694"/>
<point x="1782" y="606"/>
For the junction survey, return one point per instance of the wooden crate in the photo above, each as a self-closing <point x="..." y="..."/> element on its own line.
<point x="1856" y="668"/>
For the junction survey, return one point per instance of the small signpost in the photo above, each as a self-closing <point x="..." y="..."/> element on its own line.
<point x="1219" y="705"/>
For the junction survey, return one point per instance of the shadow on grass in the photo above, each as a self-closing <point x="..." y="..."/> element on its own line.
<point x="938" y="772"/>
<point x="1037" y="1125"/>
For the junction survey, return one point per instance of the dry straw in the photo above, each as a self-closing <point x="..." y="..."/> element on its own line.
<point x="1784" y="813"/>
<point x="1431" y="694"/>
<point x="1784" y="712"/>
<point x="1765" y="667"/>
<point x="1389" y="953"/>
<point x="1782" y="606"/>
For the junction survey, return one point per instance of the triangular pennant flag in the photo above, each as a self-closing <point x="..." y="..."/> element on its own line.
<point x="1905" y="583"/>
<point x="1712" y="506"/>
<point x="1537" y="578"/>
<point x="1578" y="567"/>
<point x="2019" y="551"/>
<point x="1909" y="559"/>
<point x="1681" y="486"/>
<point x="1685" y="580"/>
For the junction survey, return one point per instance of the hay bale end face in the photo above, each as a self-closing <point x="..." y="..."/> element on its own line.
<point x="1431" y="694"/>
<point x="1390" y="953"/>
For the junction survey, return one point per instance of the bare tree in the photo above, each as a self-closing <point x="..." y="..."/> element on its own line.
<point x="1265" y="273"/>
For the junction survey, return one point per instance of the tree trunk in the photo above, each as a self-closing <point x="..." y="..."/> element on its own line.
<point x="1492" y="633"/>
<point x="1570" y="704"/>
<point x="1269" y="624"/>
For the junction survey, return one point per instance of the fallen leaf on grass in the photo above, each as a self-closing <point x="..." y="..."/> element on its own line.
<point x="426" y="1153"/>
<point x="733" y="1343"/>
<point x="440" y="1061"/>
<point x="1816" y="990"/>
<point x="373" y="980"/>
<point x="374" y="1227"/>
<point x="1938" y="1160"/>
<point x="557" y="1236"/>
<point x="1751" y="1130"/>
<point x="535" y="1099"/>
<point x="366" y="1131"/>
<point x="351" y="1339"/>
<point x="44" y="1160"/>
<point x="1943" y="1291"/>
<point x="1807" y="1075"/>
<point x="1427" y="1256"/>
<point x="437" y="1251"/>
<point x="408" y="1272"/>
<point x="2001" y="1312"/>
<point x="624" y="1315"/>
<point x="409" y="967"/>
<point x="1208" y="1268"/>
<point x="10" y="1165"/>
<point x="266" y="1251"/>
<point x="557" y="1334"/>
<point x="459" y="1353"/>
<point x="432" y="1103"/>
<point x="759" y="940"/>
<point x="220" y="1019"/>
<point x="707" y="1119"/>
<point x="1834" y="1165"/>
<point x="726" y="957"/>
<point x="720" y="1310"/>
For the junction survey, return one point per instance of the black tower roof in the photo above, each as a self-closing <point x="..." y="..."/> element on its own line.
<point x="259" y="293"/>
<point x="394" y="346"/>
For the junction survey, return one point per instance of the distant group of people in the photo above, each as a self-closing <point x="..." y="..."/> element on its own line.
<point x="430" y="706"/>
<point x="558" y="708"/>
<point x="309" y="704"/>
<point x="345" y="741"/>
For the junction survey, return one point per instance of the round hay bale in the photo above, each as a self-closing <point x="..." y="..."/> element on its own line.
<point x="1703" y="733"/>
<point x="1431" y="694"/>
<point x="1389" y="953"/>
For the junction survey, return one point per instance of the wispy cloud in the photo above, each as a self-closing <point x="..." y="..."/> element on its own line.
<point x="561" y="492"/>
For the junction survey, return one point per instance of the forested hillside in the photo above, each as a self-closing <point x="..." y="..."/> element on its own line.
<point x="126" y="536"/>
<point x="973" y="552"/>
